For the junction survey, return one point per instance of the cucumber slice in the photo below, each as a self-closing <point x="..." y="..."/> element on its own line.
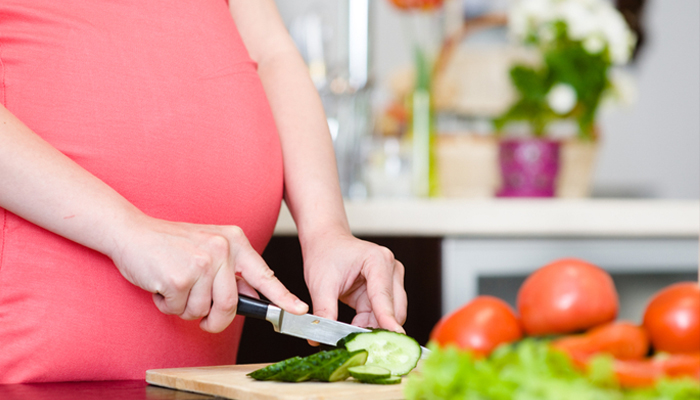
<point x="391" y="350"/>
<point x="269" y="372"/>
<point x="337" y="369"/>
<point x="303" y="371"/>
<point x="369" y="372"/>
<point x="392" y="380"/>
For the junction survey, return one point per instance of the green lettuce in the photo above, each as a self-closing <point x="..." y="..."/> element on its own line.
<point x="528" y="370"/>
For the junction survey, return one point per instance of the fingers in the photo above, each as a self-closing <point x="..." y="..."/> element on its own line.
<point x="400" y="296"/>
<point x="245" y="288"/>
<point x="170" y="300"/>
<point x="224" y="297"/>
<point x="325" y="303"/>
<point x="380" y="289"/>
<point x="199" y="300"/>
<point x="365" y="320"/>
<point x="257" y="274"/>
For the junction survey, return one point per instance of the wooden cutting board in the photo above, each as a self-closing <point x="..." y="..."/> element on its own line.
<point x="231" y="382"/>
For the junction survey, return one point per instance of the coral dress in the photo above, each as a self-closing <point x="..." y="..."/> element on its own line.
<point x="160" y="100"/>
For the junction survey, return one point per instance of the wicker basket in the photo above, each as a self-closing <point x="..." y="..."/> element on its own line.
<point x="467" y="166"/>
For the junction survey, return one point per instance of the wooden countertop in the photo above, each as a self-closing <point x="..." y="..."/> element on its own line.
<point x="518" y="218"/>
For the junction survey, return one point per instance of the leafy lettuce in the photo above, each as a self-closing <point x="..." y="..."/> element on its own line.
<point x="528" y="370"/>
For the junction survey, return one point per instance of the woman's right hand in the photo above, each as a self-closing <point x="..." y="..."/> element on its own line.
<point x="193" y="271"/>
<point x="196" y="271"/>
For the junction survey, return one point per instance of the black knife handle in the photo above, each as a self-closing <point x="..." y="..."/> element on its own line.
<point x="250" y="307"/>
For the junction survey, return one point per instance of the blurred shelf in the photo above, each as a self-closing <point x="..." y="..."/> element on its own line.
<point x="518" y="218"/>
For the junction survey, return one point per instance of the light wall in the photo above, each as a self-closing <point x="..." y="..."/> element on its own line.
<point x="654" y="147"/>
<point x="651" y="149"/>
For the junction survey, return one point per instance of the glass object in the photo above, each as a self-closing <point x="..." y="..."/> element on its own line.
<point x="333" y="38"/>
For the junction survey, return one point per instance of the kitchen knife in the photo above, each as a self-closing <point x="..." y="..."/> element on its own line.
<point x="305" y="326"/>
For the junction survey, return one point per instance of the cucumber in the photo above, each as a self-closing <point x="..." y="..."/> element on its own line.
<point x="392" y="380"/>
<point x="303" y="371"/>
<point x="369" y="372"/>
<point x="337" y="369"/>
<point x="328" y="366"/>
<point x="391" y="350"/>
<point x="269" y="372"/>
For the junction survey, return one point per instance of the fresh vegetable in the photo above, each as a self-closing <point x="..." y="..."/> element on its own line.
<point x="391" y="354"/>
<point x="391" y="350"/>
<point x="267" y="373"/>
<point x="622" y="340"/>
<point x="566" y="296"/>
<point x="328" y="366"/>
<point x="368" y="372"/>
<point x="646" y="373"/>
<point x="392" y="380"/>
<point x="308" y="367"/>
<point x="479" y="326"/>
<point x="337" y="369"/>
<point x="529" y="369"/>
<point x="672" y="318"/>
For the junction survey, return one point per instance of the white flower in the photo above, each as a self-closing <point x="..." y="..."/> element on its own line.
<point x="517" y="22"/>
<point x="597" y="24"/>
<point x="546" y="33"/>
<point x="617" y="34"/>
<point x="525" y="17"/>
<point x="537" y="11"/>
<point x="624" y="88"/>
<point x="579" y="19"/>
<point x="593" y="44"/>
<point x="562" y="98"/>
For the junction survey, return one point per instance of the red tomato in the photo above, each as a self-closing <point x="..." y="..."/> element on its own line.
<point x="479" y="326"/>
<point x="622" y="340"/>
<point x="565" y="296"/>
<point x="424" y="5"/>
<point x="672" y="318"/>
<point x="645" y="373"/>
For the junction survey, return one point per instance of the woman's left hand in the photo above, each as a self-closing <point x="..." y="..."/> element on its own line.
<point x="361" y="274"/>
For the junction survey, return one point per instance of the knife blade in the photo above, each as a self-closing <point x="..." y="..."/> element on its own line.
<point x="307" y="326"/>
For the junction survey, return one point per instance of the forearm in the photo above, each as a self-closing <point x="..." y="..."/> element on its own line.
<point x="311" y="178"/>
<point x="312" y="191"/>
<point x="42" y="185"/>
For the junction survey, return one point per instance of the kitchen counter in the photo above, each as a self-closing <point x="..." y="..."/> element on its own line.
<point x="487" y="244"/>
<point x="518" y="217"/>
<point x="102" y="390"/>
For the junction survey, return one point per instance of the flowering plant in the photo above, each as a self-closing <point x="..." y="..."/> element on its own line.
<point x="579" y="42"/>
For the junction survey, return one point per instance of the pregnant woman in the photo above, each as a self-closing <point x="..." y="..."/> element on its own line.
<point x="145" y="148"/>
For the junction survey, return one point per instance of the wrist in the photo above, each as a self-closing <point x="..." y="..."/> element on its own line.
<point x="124" y="228"/>
<point x="310" y="234"/>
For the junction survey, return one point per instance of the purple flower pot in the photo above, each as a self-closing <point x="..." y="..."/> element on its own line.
<point x="528" y="167"/>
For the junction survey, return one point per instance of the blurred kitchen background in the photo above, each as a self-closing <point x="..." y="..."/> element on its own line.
<point x="414" y="91"/>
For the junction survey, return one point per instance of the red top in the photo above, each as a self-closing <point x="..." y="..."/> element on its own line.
<point x="159" y="99"/>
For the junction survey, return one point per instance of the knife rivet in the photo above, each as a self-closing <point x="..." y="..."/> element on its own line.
<point x="316" y="322"/>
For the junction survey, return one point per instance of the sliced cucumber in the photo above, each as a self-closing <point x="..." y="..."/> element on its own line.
<point x="337" y="369"/>
<point x="303" y="371"/>
<point x="391" y="350"/>
<point x="369" y="372"/>
<point x="392" y="380"/>
<point x="269" y="372"/>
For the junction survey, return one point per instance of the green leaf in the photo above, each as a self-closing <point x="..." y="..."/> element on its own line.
<point x="528" y="370"/>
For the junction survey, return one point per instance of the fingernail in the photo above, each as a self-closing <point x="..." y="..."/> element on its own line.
<point x="300" y="304"/>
